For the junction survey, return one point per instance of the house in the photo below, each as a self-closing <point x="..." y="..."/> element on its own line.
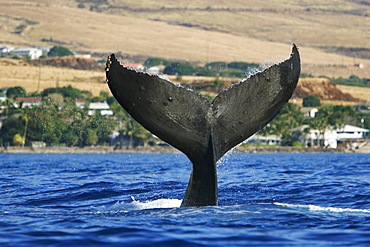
<point x="320" y="138"/>
<point x="27" y="102"/>
<point x="330" y="137"/>
<point x="265" y="140"/>
<point x="155" y="70"/>
<point x="6" y="49"/>
<point x="31" y="52"/>
<point x="359" y="65"/>
<point x="3" y="92"/>
<point x="102" y="107"/>
<point x="135" y="66"/>
<point x="362" y="107"/>
<point x="350" y="133"/>
<point x="309" y="112"/>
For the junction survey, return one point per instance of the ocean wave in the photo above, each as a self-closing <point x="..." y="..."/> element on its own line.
<point x="323" y="209"/>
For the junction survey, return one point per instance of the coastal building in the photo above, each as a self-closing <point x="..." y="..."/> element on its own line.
<point x="264" y="140"/>
<point x="4" y="49"/>
<point x="350" y="133"/>
<point x="155" y="70"/>
<point x="3" y="92"/>
<point x="135" y="66"/>
<point x="23" y="102"/>
<point x="31" y="52"/>
<point x="362" y="107"/>
<point x="102" y="107"/>
<point x="331" y="137"/>
<point x="309" y="112"/>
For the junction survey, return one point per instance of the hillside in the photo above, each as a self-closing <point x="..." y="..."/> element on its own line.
<point x="323" y="89"/>
<point x="200" y="31"/>
<point x="36" y="78"/>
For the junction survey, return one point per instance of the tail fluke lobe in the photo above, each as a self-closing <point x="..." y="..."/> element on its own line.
<point x="173" y="113"/>
<point x="248" y="106"/>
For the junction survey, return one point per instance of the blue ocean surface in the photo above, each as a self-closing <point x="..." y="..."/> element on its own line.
<point x="134" y="199"/>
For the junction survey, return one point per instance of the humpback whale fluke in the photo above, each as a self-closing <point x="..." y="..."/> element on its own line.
<point x="204" y="130"/>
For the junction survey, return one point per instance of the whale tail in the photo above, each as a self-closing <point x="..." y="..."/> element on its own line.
<point x="204" y="131"/>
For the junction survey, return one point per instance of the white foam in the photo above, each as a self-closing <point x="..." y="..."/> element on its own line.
<point x="160" y="203"/>
<point x="323" y="209"/>
<point x="122" y="207"/>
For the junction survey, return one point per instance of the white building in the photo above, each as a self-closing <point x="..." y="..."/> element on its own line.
<point x="155" y="70"/>
<point x="3" y="96"/>
<point x="102" y="107"/>
<point x="265" y="140"/>
<point x="350" y="132"/>
<point x="6" y="48"/>
<point x="330" y="137"/>
<point x="134" y="66"/>
<point x="31" y="52"/>
<point x="309" y="112"/>
<point x="27" y="102"/>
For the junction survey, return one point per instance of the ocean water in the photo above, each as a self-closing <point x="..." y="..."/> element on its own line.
<point x="134" y="199"/>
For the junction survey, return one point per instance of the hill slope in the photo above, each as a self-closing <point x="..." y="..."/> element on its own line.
<point x="208" y="31"/>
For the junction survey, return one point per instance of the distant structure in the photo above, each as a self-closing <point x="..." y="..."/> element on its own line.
<point x="31" y="52"/>
<point x="102" y="107"/>
<point x="135" y="66"/>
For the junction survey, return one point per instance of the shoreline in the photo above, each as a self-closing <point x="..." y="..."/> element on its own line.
<point x="166" y="149"/>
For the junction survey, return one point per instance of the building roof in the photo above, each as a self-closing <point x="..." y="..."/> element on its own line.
<point x="28" y="99"/>
<point x="99" y="106"/>
<point x="351" y="128"/>
<point x="133" y="65"/>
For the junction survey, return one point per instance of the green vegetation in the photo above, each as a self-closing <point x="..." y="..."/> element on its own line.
<point x="311" y="101"/>
<point x="59" y="51"/>
<point x="14" y="92"/>
<point x="156" y="61"/>
<point x="58" y="121"/>
<point x="67" y="92"/>
<point x="329" y="115"/>
<point x="353" y="80"/>
<point x="214" y="69"/>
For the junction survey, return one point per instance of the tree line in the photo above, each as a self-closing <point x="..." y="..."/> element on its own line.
<point x="58" y="121"/>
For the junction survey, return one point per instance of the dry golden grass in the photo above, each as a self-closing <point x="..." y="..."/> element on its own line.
<point x="262" y="33"/>
<point x="33" y="78"/>
<point x="252" y="36"/>
<point x="362" y="93"/>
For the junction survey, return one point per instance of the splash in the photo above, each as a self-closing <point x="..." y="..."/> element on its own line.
<point x="123" y="207"/>
<point x="160" y="203"/>
<point x="323" y="209"/>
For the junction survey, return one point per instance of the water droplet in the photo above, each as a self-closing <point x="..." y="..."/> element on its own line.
<point x="139" y="98"/>
<point x="268" y="79"/>
<point x="244" y="112"/>
<point x="170" y="98"/>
